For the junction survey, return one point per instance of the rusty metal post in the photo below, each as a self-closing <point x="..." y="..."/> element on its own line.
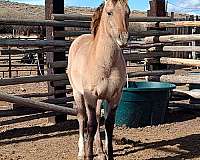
<point x="55" y="7"/>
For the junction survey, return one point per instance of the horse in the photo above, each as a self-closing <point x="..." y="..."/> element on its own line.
<point x="97" y="73"/>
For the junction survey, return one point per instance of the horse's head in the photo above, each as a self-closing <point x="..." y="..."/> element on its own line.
<point x="115" y="16"/>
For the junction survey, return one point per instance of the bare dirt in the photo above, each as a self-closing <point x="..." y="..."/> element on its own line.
<point x="178" y="138"/>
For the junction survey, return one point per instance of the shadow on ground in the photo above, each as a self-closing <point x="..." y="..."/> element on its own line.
<point x="181" y="115"/>
<point x="190" y="144"/>
<point x="35" y="133"/>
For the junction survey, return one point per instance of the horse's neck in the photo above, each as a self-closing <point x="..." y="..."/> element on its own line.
<point x="106" y="47"/>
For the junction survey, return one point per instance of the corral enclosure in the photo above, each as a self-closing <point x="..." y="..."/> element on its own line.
<point x="28" y="133"/>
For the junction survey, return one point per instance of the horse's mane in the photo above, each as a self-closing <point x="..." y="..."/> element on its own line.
<point x="97" y="16"/>
<point x="96" y="19"/>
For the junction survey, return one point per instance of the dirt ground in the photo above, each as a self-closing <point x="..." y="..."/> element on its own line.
<point x="178" y="138"/>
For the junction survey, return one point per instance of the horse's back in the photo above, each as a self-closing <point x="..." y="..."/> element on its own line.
<point x="80" y="42"/>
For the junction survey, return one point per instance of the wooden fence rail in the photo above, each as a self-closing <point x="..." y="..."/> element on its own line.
<point x="150" y="73"/>
<point x="179" y="79"/>
<point x="141" y="56"/>
<point x="37" y="43"/>
<point x="173" y="38"/>
<point x="52" y="23"/>
<point x="181" y="48"/>
<point x="37" y="105"/>
<point x="176" y="24"/>
<point x="180" y="61"/>
<point x="62" y="17"/>
<point x="33" y="79"/>
<point x="131" y="33"/>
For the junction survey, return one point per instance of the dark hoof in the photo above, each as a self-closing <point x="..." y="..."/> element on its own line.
<point x="89" y="158"/>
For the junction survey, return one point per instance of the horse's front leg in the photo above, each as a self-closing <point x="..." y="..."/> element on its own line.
<point x="109" y="124"/>
<point x="98" y="142"/>
<point x="81" y="118"/>
<point x="91" y="130"/>
<point x="90" y="103"/>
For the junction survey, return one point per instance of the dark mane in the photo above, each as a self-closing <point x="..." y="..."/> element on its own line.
<point x="96" y="19"/>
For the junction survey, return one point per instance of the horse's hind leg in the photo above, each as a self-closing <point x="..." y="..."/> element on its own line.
<point x="98" y="142"/>
<point x="81" y="118"/>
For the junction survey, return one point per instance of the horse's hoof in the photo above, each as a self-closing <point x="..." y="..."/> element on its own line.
<point x="109" y="157"/>
<point x="101" y="157"/>
<point x="80" y="158"/>
<point x="89" y="158"/>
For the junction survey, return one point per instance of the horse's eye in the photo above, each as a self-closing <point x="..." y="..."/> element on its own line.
<point x="110" y="13"/>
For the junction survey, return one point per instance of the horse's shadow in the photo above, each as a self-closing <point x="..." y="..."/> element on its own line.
<point x="190" y="144"/>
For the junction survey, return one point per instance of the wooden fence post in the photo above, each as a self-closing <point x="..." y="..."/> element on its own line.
<point x="157" y="9"/>
<point x="40" y="67"/>
<point x="197" y="43"/>
<point x="10" y="64"/>
<point x="55" y="7"/>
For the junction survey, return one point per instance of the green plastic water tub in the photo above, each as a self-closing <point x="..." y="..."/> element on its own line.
<point x="143" y="104"/>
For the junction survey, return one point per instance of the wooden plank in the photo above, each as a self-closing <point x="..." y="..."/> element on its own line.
<point x="179" y="79"/>
<point x="18" y="65"/>
<point x="143" y="34"/>
<point x="184" y="105"/>
<point x="180" y="61"/>
<point x="16" y="112"/>
<point x="193" y="94"/>
<point x="52" y="23"/>
<point x="60" y="83"/>
<point x="131" y="33"/>
<point x="142" y="56"/>
<point x="62" y="17"/>
<point x="33" y="79"/>
<point x="174" y="48"/>
<point x="70" y="33"/>
<point x="38" y="43"/>
<point x="20" y="70"/>
<point x="33" y="104"/>
<point x="176" y="24"/>
<point x="29" y="117"/>
<point x="44" y="94"/>
<point x="58" y="64"/>
<point x="174" y="38"/>
<point x="146" y="46"/>
<point x="150" y="73"/>
<point x="62" y="100"/>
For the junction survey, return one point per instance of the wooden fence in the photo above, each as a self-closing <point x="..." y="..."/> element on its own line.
<point x="154" y="51"/>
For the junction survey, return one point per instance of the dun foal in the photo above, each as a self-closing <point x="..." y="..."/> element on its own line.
<point x="97" y="72"/>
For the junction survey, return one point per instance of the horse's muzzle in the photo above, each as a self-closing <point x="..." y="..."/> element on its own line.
<point x="122" y="40"/>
